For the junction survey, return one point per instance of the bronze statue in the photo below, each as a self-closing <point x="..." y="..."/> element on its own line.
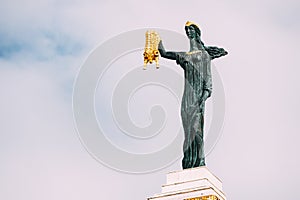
<point x="197" y="88"/>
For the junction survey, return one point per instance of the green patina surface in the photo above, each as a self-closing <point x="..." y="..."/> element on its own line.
<point x="197" y="88"/>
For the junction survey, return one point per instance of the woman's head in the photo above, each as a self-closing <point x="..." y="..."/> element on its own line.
<point x="193" y="31"/>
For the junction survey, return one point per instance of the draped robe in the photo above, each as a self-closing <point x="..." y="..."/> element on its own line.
<point x="197" y="73"/>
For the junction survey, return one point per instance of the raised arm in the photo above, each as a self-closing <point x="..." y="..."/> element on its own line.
<point x="166" y="54"/>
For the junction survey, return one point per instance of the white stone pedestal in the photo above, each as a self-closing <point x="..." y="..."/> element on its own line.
<point x="191" y="184"/>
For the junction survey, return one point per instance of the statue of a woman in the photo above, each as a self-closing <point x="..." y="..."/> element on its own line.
<point x="197" y="88"/>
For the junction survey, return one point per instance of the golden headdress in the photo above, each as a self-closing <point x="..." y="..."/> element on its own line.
<point x="188" y="23"/>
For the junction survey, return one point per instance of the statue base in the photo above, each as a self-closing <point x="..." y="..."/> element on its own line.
<point x="191" y="184"/>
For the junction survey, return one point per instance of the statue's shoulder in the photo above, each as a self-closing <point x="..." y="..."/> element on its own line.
<point x="180" y="55"/>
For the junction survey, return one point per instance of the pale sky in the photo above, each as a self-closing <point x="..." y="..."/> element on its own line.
<point x="43" y="45"/>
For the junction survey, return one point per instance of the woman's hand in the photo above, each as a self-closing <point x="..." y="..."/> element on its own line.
<point x="165" y="54"/>
<point x="161" y="47"/>
<point x="205" y="95"/>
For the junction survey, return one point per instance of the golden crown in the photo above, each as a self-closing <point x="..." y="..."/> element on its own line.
<point x="188" y="23"/>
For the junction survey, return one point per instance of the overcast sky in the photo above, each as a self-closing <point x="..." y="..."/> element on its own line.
<point x="43" y="44"/>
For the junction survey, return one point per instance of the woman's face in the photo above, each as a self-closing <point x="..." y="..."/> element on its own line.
<point x="190" y="32"/>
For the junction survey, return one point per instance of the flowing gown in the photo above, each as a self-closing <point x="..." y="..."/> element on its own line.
<point x="197" y="73"/>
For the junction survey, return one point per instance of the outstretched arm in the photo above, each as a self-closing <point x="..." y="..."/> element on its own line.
<point x="166" y="54"/>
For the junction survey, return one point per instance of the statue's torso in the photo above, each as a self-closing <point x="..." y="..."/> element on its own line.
<point x="195" y="66"/>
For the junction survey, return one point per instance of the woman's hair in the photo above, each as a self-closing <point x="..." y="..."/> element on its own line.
<point x="214" y="52"/>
